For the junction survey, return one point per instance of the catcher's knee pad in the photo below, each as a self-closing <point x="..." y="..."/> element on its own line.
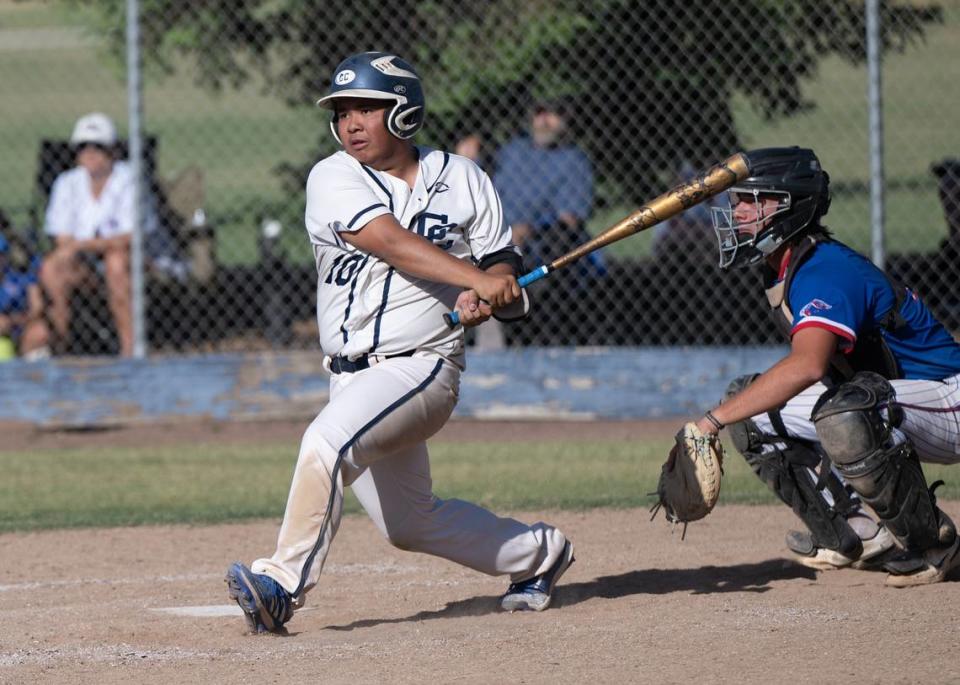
<point x="746" y="436"/>
<point x="784" y="464"/>
<point x="857" y="439"/>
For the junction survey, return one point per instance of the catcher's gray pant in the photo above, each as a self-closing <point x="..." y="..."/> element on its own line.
<point x="371" y="436"/>
<point x="931" y="417"/>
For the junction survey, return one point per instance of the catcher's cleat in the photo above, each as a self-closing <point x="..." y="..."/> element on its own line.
<point x="535" y="594"/>
<point x="930" y="566"/>
<point x="875" y="550"/>
<point x="266" y="605"/>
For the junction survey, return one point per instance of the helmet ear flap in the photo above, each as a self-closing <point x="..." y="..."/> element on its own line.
<point x="397" y="120"/>
<point x="333" y="128"/>
<point x="826" y="196"/>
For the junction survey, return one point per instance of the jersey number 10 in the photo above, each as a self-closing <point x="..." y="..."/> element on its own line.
<point x="343" y="269"/>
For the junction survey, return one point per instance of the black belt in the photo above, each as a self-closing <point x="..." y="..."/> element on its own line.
<point x="340" y="364"/>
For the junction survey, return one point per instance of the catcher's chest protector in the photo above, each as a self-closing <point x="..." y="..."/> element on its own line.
<point x="870" y="353"/>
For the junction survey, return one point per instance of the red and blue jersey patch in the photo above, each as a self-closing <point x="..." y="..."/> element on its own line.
<point x="811" y="308"/>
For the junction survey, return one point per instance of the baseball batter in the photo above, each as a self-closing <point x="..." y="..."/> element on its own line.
<point x="870" y="388"/>
<point x="401" y="234"/>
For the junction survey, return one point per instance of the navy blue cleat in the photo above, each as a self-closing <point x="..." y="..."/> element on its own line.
<point x="535" y="593"/>
<point x="266" y="605"/>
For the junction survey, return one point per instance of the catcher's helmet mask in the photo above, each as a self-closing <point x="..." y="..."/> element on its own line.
<point x="379" y="76"/>
<point x="802" y="188"/>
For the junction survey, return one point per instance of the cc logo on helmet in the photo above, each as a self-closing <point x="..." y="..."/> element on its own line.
<point x="344" y="77"/>
<point x="400" y="88"/>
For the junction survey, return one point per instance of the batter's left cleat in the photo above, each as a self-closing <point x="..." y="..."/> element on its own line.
<point x="535" y="594"/>
<point x="266" y="605"/>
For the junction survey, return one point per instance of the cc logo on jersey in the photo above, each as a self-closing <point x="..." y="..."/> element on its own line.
<point x="434" y="227"/>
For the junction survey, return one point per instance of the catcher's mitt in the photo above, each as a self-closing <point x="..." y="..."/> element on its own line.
<point x="690" y="479"/>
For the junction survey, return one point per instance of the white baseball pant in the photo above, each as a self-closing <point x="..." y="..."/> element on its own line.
<point x="931" y="417"/>
<point x="376" y="423"/>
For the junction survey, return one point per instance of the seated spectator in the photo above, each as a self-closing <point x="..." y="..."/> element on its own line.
<point x="948" y="188"/>
<point x="23" y="330"/>
<point x="546" y="184"/>
<point x="90" y="217"/>
<point x="473" y="146"/>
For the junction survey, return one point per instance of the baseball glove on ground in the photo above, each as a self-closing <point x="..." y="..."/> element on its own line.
<point x="690" y="479"/>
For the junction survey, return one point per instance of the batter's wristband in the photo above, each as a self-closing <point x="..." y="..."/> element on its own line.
<point x="714" y="420"/>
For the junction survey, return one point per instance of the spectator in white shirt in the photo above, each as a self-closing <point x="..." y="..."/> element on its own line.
<point x="90" y="218"/>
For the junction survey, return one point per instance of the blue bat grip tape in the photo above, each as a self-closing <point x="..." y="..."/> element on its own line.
<point x="453" y="318"/>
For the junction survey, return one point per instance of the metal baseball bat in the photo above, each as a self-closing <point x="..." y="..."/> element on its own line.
<point x="713" y="181"/>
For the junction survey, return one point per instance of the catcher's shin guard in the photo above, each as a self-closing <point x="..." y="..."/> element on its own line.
<point x="888" y="477"/>
<point x="783" y="463"/>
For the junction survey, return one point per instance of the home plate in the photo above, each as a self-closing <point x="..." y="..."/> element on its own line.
<point x="210" y="610"/>
<point x="203" y="611"/>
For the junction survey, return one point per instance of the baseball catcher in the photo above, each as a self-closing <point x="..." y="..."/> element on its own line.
<point x="870" y="388"/>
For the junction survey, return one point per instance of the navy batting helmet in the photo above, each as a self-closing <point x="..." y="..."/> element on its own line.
<point x="792" y="175"/>
<point x="380" y="76"/>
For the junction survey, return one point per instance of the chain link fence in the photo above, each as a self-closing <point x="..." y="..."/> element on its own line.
<point x="616" y="100"/>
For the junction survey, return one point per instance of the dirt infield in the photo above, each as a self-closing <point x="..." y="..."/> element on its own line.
<point x="638" y="606"/>
<point x="106" y="606"/>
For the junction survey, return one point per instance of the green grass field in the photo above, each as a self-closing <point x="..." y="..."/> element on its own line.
<point x="209" y="484"/>
<point x="51" y="71"/>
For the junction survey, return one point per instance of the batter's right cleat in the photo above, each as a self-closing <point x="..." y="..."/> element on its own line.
<point x="535" y="594"/>
<point x="875" y="549"/>
<point x="266" y="605"/>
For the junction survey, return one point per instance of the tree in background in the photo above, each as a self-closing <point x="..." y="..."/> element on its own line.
<point x="653" y="81"/>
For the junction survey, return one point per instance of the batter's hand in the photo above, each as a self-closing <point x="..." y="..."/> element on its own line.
<point x="497" y="290"/>
<point x="471" y="309"/>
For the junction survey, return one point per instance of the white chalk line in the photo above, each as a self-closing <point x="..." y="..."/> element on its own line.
<point x="258" y="649"/>
<point x="332" y="569"/>
<point x="100" y="654"/>
<point x="43" y="584"/>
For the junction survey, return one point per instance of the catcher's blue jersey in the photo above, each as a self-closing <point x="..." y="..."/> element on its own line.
<point x="840" y="290"/>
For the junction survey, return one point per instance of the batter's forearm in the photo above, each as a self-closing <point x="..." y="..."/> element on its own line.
<point x="420" y="258"/>
<point x="502" y="268"/>
<point x="412" y="254"/>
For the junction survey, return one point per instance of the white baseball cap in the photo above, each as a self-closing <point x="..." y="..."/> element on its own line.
<point x="94" y="128"/>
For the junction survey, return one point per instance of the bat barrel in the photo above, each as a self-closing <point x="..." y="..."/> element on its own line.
<point x="715" y="180"/>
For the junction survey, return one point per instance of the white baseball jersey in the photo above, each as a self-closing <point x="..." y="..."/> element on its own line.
<point x="372" y="433"/>
<point x="363" y="304"/>
<point x="74" y="212"/>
